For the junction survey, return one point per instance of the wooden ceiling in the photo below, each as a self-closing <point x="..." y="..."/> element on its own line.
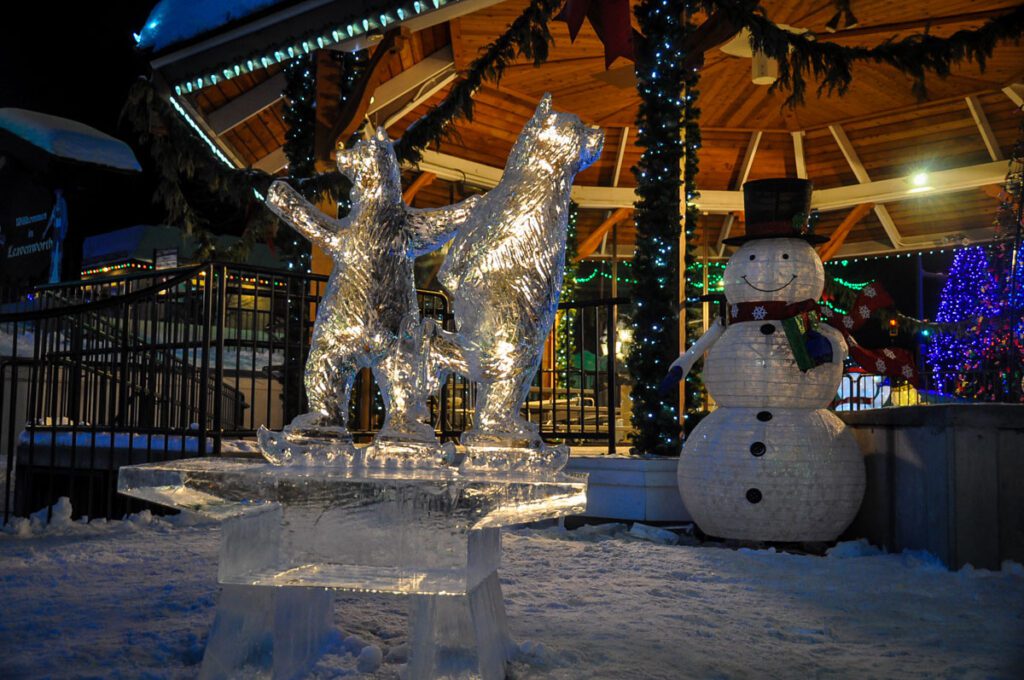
<point x="891" y="133"/>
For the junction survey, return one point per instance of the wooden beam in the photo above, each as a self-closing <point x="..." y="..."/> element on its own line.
<point x="994" y="191"/>
<point x="273" y="163"/>
<point x="901" y="189"/>
<point x="452" y="168"/>
<point x="862" y="176"/>
<point x="424" y="179"/>
<point x="412" y="80"/>
<point x="247" y="105"/>
<point x="838" y="237"/>
<point x="354" y="111"/>
<point x="620" y="155"/>
<point x="981" y="120"/>
<point x="945" y="239"/>
<point x="745" y="166"/>
<point x="419" y="98"/>
<point x="590" y="244"/>
<point x="923" y="22"/>
<point x="1015" y="91"/>
<point x="798" y="153"/>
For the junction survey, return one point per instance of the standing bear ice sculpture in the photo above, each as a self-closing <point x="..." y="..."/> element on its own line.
<point x="368" y="317"/>
<point x="504" y="275"/>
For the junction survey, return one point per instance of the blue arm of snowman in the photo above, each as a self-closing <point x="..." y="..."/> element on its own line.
<point x="681" y="366"/>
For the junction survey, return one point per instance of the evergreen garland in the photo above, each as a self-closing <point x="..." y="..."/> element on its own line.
<point x="695" y="393"/>
<point x="300" y="116"/>
<point x="655" y="296"/>
<point x="528" y="36"/>
<point x="187" y="172"/>
<point x="801" y="56"/>
<point x="565" y="329"/>
<point x="353" y="67"/>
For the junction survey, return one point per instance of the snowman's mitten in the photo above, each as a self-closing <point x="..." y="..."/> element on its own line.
<point x="819" y="347"/>
<point x="671" y="379"/>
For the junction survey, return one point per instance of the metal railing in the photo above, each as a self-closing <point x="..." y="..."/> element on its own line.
<point x="859" y="391"/>
<point x="160" y="365"/>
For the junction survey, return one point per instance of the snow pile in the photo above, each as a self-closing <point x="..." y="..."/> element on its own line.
<point x="22" y="345"/>
<point x="135" y="599"/>
<point x="69" y="139"/>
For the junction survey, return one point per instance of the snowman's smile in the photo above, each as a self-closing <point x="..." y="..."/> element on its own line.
<point x="768" y="290"/>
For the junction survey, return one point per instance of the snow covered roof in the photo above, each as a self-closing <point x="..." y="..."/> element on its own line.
<point x="173" y="21"/>
<point x="196" y="45"/>
<point x="68" y="139"/>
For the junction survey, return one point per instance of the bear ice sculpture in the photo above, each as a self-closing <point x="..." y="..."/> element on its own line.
<point x="504" y="274"/>
<point x="368" y="317"/>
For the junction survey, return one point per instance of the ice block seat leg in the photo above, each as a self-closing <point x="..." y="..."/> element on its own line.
<point x="259" y="631"/>
<point x="451" y="635"/>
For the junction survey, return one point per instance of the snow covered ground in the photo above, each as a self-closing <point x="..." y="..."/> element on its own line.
<point x="135" y="599"/>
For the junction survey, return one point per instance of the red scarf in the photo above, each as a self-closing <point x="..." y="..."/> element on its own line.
<point x="891" y="361"/>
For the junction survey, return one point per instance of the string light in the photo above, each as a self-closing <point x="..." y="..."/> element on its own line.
<point x="284" y="53"/>
<point x="663" y="118"/>
<point x="108" y="268"/>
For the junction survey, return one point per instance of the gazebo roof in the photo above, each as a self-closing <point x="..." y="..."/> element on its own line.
<point x="861" y="150"/>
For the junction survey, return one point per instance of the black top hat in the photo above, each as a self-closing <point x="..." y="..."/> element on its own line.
<point x="777" y="208"/>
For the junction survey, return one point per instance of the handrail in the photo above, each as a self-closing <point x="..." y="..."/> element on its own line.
<point x="94" y="305"/>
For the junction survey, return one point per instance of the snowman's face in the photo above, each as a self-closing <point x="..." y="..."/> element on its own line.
<point x="774" y="270"/>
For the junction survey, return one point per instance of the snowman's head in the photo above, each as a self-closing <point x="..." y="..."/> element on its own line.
<point x="774" y="270"/>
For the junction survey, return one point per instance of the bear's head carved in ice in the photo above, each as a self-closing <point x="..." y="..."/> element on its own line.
<point x="774" y="270"/>
<point x="553" y="143"/>
<point x="371" y="165"/>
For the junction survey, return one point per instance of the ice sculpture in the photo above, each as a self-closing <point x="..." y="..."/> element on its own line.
<point x="504" y="275"/>
<point x="368" y="317"/>
<point x="771" y="463"/>
<point x="397" y="516"/>
<point x="293" y="536"/>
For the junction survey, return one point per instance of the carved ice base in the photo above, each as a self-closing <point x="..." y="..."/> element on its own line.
<point x="482" y="459"/>
<point x="294" y="535"/>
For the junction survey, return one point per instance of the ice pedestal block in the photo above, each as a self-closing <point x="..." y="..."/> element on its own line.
<point x="432" y="534"/>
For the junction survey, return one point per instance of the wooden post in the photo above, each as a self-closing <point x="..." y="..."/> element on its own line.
<point x="681" y="292"/>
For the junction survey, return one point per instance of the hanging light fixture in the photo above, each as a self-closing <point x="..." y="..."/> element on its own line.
<point x="764" y="70"/>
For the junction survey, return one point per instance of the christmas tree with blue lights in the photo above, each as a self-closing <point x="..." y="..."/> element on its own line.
<point x="966" y="297"/>
<point x="982" y="359"/>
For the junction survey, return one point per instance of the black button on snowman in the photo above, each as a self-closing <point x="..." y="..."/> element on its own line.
<point x="771" y="463"/>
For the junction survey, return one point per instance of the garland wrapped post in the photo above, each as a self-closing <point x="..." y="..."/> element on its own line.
<point x="299" y="147"/>
<point x="655" y="296"/>
<point x="695" y="393"/>
<point x="565" y="329"/>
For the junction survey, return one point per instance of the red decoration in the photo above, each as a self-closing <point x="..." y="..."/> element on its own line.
<point x="891" y="361"/>
<point x="610" y="20"/>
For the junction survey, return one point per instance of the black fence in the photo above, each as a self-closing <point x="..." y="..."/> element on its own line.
<point x="859" y="391"/>
<point x="179" y="363"/>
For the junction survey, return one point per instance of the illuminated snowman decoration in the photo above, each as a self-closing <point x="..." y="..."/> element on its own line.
<point x="771" y="463"/>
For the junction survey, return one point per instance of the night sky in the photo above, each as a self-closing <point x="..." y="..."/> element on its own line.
<point x="77" y="61"/>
